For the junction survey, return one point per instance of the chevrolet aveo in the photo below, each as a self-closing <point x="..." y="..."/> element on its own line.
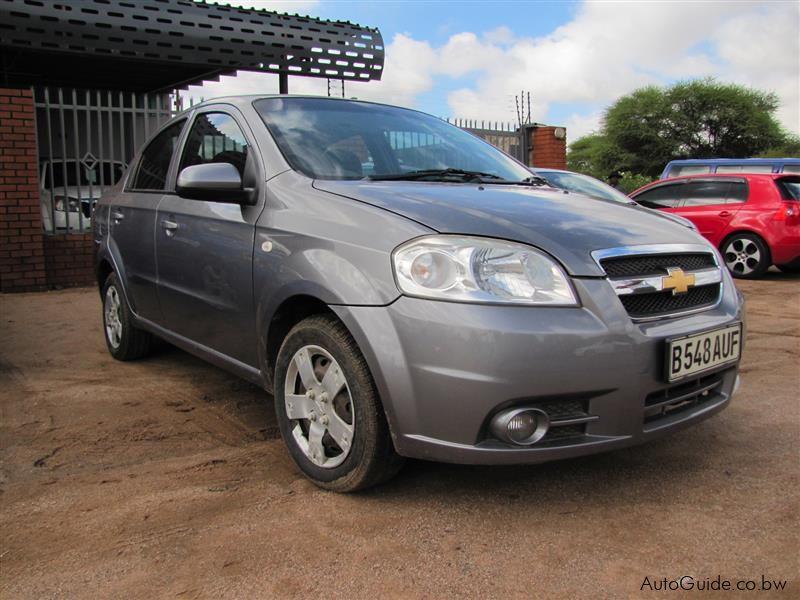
<point x="404" y="289"/>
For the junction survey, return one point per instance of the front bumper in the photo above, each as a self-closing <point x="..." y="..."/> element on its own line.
<point x="444" y="369"/>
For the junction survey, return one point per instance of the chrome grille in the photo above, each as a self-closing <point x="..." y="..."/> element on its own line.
<point x="657" y="281"/>
<point x="655" y="265"/>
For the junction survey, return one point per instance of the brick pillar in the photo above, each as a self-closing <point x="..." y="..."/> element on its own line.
<point x="21" y="240"/>
<point x="548" y="147"/>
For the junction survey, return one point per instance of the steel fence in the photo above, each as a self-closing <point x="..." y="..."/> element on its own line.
<point x="508" y="137"/>
<point x="85" y="140"/>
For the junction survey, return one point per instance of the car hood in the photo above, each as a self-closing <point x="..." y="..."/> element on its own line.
<point x="568" y="226"/>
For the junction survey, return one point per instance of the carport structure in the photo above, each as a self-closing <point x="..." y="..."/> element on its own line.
<point x="85" y="82"/>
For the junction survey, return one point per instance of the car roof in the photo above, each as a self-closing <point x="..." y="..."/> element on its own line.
<point x="244" y="99"/>
<point x="728" y="161"/>
<point x="710" y="176"/>
<point x="724" y="176"/>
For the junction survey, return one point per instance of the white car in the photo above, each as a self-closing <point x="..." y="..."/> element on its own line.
<point x="70" y="188"/>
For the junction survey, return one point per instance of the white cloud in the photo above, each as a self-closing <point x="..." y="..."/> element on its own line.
<point x="607" y="50"/>
<point x="579" y="125"/>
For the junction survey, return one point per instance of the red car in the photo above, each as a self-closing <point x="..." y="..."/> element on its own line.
<point x="754" y="219"/>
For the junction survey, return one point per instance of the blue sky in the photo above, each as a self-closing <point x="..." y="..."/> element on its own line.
<point x="468" y="59"/>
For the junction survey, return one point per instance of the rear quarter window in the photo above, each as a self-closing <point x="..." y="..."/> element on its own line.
<point x="789" y="188"/>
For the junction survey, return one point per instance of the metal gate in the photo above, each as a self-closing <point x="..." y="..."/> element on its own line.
<point x="508" y="137"/>
<point x="86" y="138"/>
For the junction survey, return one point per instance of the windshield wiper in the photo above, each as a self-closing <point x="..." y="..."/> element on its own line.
<point x="437" y="173"/>
<point x="535" y="180"/>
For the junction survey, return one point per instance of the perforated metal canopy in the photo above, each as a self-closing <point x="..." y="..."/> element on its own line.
<point x="152" y="45"/>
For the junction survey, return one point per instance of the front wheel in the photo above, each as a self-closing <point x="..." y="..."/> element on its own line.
<point x="746" y="255"/>
<point x="328" y="410"/>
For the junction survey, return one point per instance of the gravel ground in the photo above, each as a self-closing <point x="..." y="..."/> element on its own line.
<point x="167" y="478"/>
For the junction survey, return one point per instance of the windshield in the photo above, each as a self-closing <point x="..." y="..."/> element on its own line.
<point x="335" y="139"/>
<point x="583" y="184"/>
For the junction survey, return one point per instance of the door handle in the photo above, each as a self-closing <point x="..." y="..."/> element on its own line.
<point x="725" y="213"/>
<point x="170" y="227"/>
<point x="117" y="217"/>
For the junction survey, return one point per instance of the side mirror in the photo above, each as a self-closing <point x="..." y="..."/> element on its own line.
<point x="218" y="182"/>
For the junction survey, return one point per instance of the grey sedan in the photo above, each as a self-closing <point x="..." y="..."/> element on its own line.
<point x="404" y="289"/>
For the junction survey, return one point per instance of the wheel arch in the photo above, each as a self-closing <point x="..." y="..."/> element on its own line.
<point x="102" y="271"/>
<point x="288" y="313"/>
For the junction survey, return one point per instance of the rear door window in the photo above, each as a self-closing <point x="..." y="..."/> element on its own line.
<point x="663" y="196"/>
<point x="705" y="193"/>
<point x="151" y="174"/>
<point x="737" y="193"/>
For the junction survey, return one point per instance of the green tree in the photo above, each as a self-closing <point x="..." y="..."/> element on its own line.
<point x="694" y="119"/>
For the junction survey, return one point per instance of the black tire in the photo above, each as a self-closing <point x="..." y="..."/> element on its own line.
<point x="371" y="458"/>
<point x="746" y="255"/>
<point x="131" y="343"/>
<point x="789" y="268"/>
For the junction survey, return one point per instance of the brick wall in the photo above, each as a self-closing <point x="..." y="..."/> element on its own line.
<point x="547" y="150"/>
<point x="22" y="261"/>
<point x="69" y="259"/>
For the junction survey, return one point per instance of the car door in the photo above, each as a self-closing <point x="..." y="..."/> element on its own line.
<point x="205" y="247"/>
<point x="132" y="220"/>
<point x="708" y="203"/>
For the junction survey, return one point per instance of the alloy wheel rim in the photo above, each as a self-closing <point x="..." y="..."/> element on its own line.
<point x="113" y="320"/>
<point x="319" y="406"/>
<point x="742" y="256"/>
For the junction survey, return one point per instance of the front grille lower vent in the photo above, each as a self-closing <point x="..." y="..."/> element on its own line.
<point x="563" y="416"/>
<point x="664" y="303"/>
<point x="682" y="397"/>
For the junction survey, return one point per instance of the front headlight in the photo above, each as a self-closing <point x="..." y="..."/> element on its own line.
<point x="472" y="269"/>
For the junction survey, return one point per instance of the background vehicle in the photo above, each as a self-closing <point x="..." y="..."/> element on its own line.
<point x="594" y="188"/>
<point x="753" y="219"/>
<point x="447" y="306"/>
<point x="696" y="166"/>
<point x="69" y="190"/>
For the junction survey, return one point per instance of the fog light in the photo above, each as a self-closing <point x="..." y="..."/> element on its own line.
<point x="520" y="426"/>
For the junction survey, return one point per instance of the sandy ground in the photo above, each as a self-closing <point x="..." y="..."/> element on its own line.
<point x="167" y="478"/>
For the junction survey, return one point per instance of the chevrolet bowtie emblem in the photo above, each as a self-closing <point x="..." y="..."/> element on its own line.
<point x="678" y="281"/>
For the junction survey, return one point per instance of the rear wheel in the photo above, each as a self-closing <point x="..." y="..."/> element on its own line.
<point x="123" y="339"/>
<point x="746" y="255"/>
<point x="328" y="410"/>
